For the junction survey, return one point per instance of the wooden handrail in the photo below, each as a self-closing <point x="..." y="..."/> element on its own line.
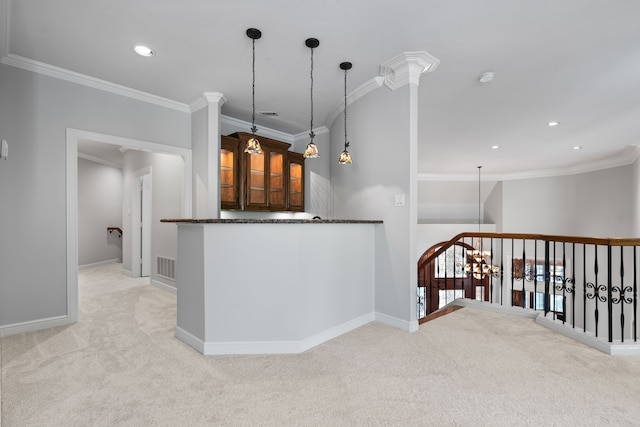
<point x="606" y="241"/>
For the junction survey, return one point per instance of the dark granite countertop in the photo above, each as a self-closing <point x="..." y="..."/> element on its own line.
<point x="269" y="221"/>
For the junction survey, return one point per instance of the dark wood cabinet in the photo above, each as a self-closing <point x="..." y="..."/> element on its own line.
<point x="272" y="180"/>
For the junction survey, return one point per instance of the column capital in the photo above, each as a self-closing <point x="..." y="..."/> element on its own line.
<point x="214" y="98"/>
<point x="406" y="68"/>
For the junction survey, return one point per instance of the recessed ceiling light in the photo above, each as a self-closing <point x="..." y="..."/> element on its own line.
<point x="495" y="147"/>
<point x="552" y="124"/>
<point x="577" y="147"/>
<point x="486" y="77"/>
<point x="143" y="50"/>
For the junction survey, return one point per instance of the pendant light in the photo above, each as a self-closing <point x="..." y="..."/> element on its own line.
<point x="345" y="156"/>
<point x="311" y="152"/>
<point x="253" y="145"/>
<point x="479" y="265"/>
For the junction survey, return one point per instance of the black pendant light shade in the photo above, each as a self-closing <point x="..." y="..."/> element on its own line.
<point x="311" y="151"/>
<point x="253" y="145"/>
<point x="345" y="156"/>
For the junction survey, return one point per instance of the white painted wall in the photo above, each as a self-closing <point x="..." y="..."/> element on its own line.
<point x="99" y="207"/>
<point x="35" y="111"/>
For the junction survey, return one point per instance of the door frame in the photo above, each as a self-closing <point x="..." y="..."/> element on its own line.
<point x="71" y="174"/>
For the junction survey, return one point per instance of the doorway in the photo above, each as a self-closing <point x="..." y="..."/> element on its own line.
<point x="73" y="136"/>
<point x="142" y="227"/>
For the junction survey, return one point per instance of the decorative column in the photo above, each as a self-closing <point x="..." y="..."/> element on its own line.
<point x="205" y="145"/>
<point x="406" y="69"/>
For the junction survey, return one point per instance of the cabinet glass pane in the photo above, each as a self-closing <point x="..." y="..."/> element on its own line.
<point x="256" y="179"/>
<point x="276" y="179"/>
<point x="295" y="184"/>
<point x="226" y="175"/>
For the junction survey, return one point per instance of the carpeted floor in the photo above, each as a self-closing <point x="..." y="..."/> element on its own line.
<point x="122" y="366"/>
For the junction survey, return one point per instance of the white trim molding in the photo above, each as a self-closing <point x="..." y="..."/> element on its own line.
<point x="406" y="68"/>
<point x="629" y="155"/>
<point x="99" y="264"/>
<point x="5" y="28"/>
<point x="168" y="288"/>
<point x="405" y="325"/>
<point x="85" y="80"/>
<point x="271" y="347"/>
<point x="33" y="325"/>
<point x="357" y="93"/>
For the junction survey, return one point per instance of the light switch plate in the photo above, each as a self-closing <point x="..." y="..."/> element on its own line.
<point x="4" y="150"/>
<point x="399" y="200"/>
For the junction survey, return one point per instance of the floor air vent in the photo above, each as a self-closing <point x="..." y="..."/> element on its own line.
<point x="166" y="267"/>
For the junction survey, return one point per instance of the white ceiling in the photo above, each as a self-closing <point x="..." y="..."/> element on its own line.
<point x="574" y="61"/>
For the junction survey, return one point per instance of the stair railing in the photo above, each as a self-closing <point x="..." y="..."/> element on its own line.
<point x="585" y="282"/>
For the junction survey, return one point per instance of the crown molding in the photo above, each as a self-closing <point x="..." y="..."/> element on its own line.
<point x="263" y="131"/>
<point x="317" y="131"/>
<point x="99" y="160"/>
<point x="5" y="14"/>
<point x="359" y="92"/>
<point x="84" y="80"/>
<point x="629" y="155"/>
<point x="406" y="68"/>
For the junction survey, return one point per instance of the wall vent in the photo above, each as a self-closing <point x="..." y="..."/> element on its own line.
<point x="166" y="267"/>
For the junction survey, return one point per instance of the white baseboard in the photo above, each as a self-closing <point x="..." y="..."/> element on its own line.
<point x="98" y="264"/>
<point x="271" y="347"/>
<point x="33" y="325"/>
<point x="405" y="325"/>
<point x="164" y="286"/>
<point x="127" y="273"/>
<point x="191" y="340"/>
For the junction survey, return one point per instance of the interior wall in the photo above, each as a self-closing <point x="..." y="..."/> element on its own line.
<point x="99" y="207"/>
<point x="493" y="207"/>
<point x="35" y="111"/>
<point x="167" y="183"/>
<point x="594" y="204"/>
<point x="379" y="132"/>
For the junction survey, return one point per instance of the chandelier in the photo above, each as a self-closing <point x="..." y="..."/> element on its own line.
<point x="478" y="261"/>
<point x="253" y="145"/>
<point x="311" y="152"/>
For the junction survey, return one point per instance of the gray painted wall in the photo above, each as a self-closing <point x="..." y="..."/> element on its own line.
<point x="167" y="174"/>
<point x="99" y="207"/>
<point x="596" y="204"/>
<point x="35" y="111"/>
<point x="379" y="135"/>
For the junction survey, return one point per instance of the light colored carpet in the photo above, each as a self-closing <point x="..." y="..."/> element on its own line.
<point x="122" y="366"/>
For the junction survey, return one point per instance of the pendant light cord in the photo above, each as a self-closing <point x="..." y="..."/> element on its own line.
<point x="311" y="134"/>
<point x="253" y="91"/>
<point x="346" y="144"/>
<point x="479" y="167"/>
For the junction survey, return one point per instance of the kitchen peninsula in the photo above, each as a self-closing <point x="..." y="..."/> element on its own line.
<point x="257" y="286"/>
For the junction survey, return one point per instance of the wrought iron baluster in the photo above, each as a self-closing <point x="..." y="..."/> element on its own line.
<point x="584" y="287"/>
<point x="623" y="291"/>
<point x="524" y="269"/>
<point x="573" y="283"/>
<point x="501" y="270"/>
<point x="534" y="273"/>
<point x="513" y="270"/>
<point x="609" y="294"/>
<point x="546" y="278"/>
<point x="635" y="295"/>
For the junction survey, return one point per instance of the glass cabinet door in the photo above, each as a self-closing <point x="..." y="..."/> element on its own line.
<point x="296" y="182"/>
<point x="256" y="191"/>
<point x="276" y="180"/>
<point x="229" y="174"/>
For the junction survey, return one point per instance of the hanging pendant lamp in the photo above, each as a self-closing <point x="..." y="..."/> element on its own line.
<point x="253" y="145"/>
<point x="311" y="152"/>
<point x="345" y="156"/>
<point x="479" y="265"/>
